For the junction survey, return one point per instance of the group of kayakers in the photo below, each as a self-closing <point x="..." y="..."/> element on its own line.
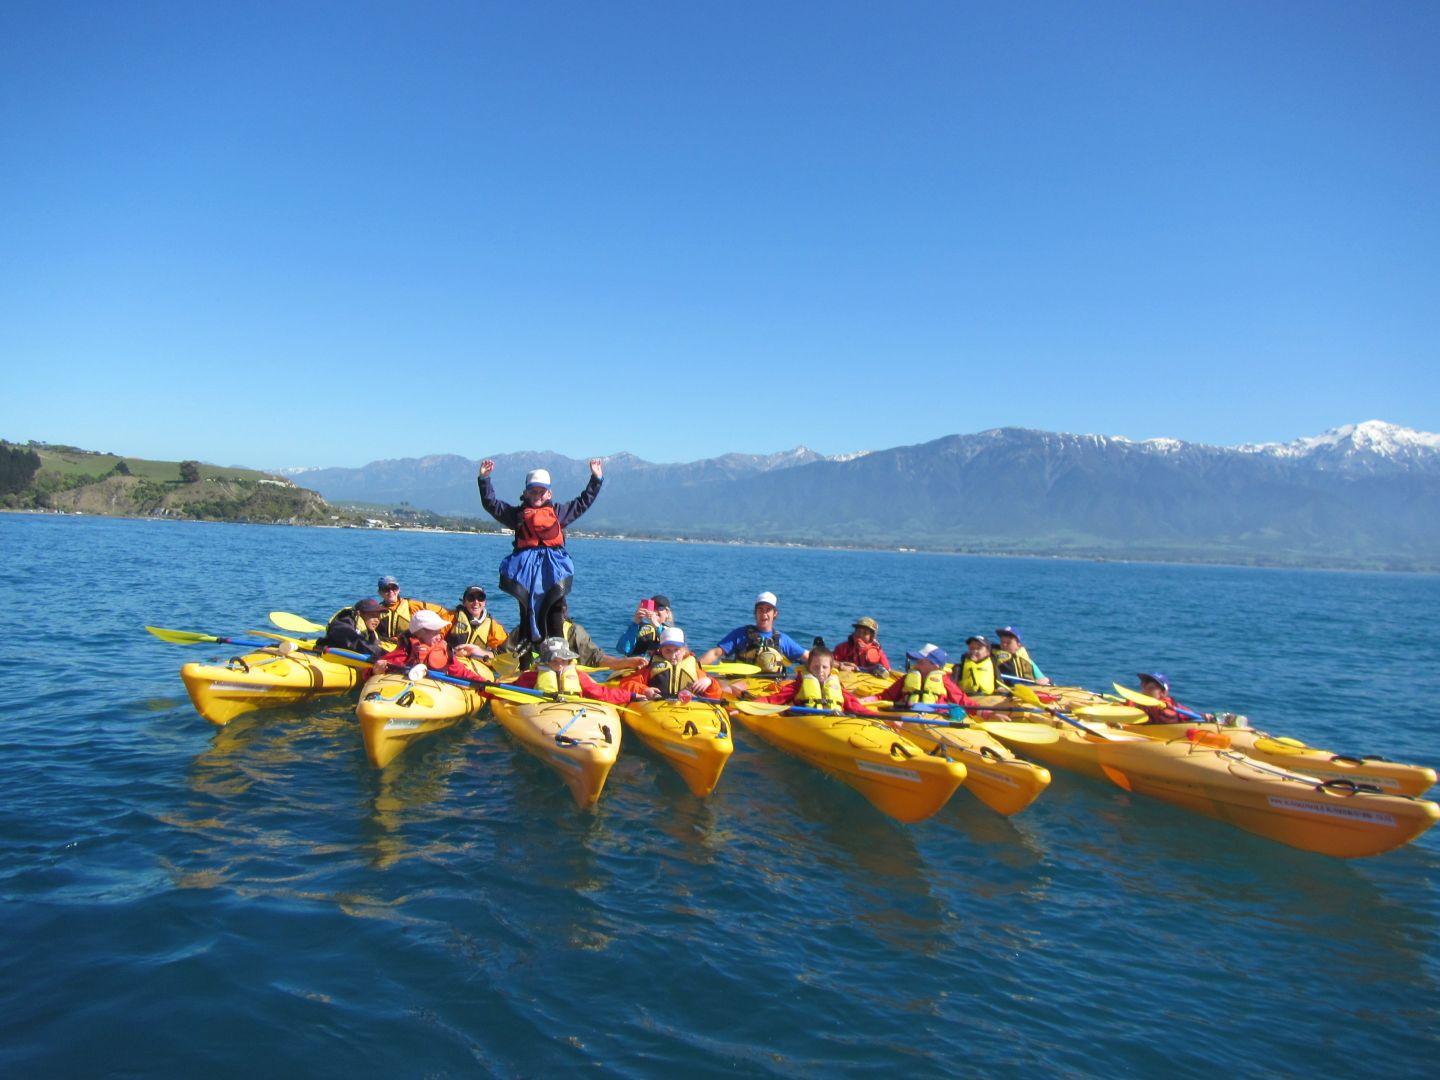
<point x="547" y="644"/>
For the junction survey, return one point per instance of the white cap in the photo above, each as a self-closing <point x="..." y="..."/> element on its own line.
<point x="672" y="635"/>
<point x="537" y="478"/>
<point x="426" y="620"/>
<point x="767" y="598"/>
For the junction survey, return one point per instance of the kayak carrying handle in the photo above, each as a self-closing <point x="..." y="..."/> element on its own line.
<point x="1347" y="788"/>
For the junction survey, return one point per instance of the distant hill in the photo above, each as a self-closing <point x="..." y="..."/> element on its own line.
<point x="1363" y="495"/>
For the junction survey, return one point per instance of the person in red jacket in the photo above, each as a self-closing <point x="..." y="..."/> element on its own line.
<point x="424" y="643"/>
<point x="557" y="674"/>
<point x="1156" y="685"/>
<point x="926" y="682"/>
<point x="861" y="651"/>
<point x="818" y="687"/>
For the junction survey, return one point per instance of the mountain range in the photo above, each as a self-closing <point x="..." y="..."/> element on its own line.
<point x="1362" y="495"/>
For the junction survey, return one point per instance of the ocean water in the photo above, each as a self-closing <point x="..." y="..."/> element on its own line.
<point x="180" y="899"/>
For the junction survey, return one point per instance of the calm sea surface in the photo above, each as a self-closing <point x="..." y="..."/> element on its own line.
<point x="180" y="899"/>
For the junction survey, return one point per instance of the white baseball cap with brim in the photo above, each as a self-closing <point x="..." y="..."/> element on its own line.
<point x="537" y="478"/>
<point x="554" y="648"/>
<point x="672" y="635"/>
<point x="426" y="620"/>
<point x="767" y="598"/>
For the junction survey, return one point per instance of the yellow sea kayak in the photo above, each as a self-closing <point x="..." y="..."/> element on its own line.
<point x="693" y="737"/>
<point x="579" y="739"/>
<point x="1394" y="777"/>
<point x="394" y="712"/>
<point x="1005" y="783"/>
<point x="263" y="680"/>
<point x="1331" y="817"/>
<point x="862" y="684"/>
<point x="886" y="767"/>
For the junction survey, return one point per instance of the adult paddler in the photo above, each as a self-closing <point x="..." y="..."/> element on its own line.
<point x="538" y="572"/>
<point x="1012" y="658"/>
<point x="398" y="609"/>
<point x="355" y="629"/>
<point x="473" y="630"/>
<point x="861" y="651"/>
<point x="759" y="643"/>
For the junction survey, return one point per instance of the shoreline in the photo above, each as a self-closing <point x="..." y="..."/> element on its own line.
<point x="793" y="545"/>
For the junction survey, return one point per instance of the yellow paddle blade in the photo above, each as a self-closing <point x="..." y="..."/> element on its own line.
<point x="1112" y="714"/>
<point x="296" y="624"/>
<point x="1025" y="694"/>
<point x="1039" y="734"/>
<point x="759" y="708"/>
<point x="181" y="637"/>
<point x="303" y="643"/>
<point x="1136" y="697"/>
<point x="1280" y="746"/>
<point x="732" y="667"/>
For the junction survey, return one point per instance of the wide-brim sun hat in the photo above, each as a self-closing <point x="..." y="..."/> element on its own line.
<point x="426" y="620"/>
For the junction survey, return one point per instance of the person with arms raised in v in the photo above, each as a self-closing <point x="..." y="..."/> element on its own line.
<point x="538" y="572"/>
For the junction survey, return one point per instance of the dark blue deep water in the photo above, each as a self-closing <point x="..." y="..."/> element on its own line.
<point x="183" y="900"/>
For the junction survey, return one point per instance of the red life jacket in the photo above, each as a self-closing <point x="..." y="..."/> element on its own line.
<point x="867" y="654"/>
<point x="435" y="656"/>
<point x="538" y="527"/>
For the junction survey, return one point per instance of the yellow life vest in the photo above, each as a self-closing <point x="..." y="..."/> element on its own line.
<point x="814" y="694"/>
<point x="670" y="678"/>
<point x="977" y="676"/>
<point x="924" y="690"/>
<point x="465" y="632"/>
<point x="567" y="683"/>
<point x="1017" y="663"/>
<point x="761" y="650"/>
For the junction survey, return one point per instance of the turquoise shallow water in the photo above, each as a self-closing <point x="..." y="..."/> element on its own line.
<point x="253" y="899"/>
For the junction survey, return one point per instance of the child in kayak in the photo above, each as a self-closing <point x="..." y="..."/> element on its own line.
<point x="926" y="682"/>
<point x="1156" y="685"/>
<point x="538" y="572"/>
<point x="473" y="631"/>
<point x="646" y="625"/>
<point x="355" y="629"/>
<point x="861" y="651"/>
<point x="1012" y="658"/>
<point x="976" y="671"/>
<point x="759" y="643"/>
<point x="424" y="643"/>
<point x="672" y="672"/>
<point x="527" y="651"/>
<point x="818" y="687"/>
<point x="557" y="674"/>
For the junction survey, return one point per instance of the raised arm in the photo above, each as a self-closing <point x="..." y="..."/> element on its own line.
<point x="569" y="511"/>
<point x="497" y="508"/>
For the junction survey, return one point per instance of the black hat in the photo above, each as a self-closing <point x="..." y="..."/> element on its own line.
<point x="661" y="601"/>
<point x="370" y="607"/>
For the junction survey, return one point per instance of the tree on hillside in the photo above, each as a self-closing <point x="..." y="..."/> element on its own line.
<point x="121" y="468"/>
<point x="17" y="468"/>
<point x="189" y="472"/>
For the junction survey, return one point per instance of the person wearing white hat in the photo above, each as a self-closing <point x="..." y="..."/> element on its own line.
<point x="423" y="642"/>
<point x="557" y="674"/>
<point x="538" y="571"/>
<point x="759" y="643"/>
<point x="672" y="671"/>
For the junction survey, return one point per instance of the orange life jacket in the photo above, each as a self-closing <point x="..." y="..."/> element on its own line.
<point x="435" y="656"/>
<point x="867" y="653"/>
<point x="539" y="526"/>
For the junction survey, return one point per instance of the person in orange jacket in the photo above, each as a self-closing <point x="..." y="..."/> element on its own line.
<point x="424" y="643"/>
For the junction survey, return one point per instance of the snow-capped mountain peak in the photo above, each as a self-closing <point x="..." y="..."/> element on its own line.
<point x="1372" y="442"/>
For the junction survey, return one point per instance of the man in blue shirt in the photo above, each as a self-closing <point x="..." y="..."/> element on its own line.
<point x="759" y="643"/>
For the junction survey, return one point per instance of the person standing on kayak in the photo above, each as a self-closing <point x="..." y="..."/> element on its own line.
<point x="861" y="651"/>
<point x="759" y="643"/>
<point x="1169" y="711"/>
<point x="818" y="687"/>
<point x="926" y="682"/>
<point x="1012" y="659"/>
<point x="672" y="672"/>
<point x="473" y="631"/>
<point x="646" y="626"/>
<point x="355" y="629"/>
<point x="557" y="674"/>
<point x="538" y="572"/>
<point x="527" y="651"/>
<point x="423" y="642"/>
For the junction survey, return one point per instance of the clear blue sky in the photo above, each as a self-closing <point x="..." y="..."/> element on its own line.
<point x="315" y="234"/>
